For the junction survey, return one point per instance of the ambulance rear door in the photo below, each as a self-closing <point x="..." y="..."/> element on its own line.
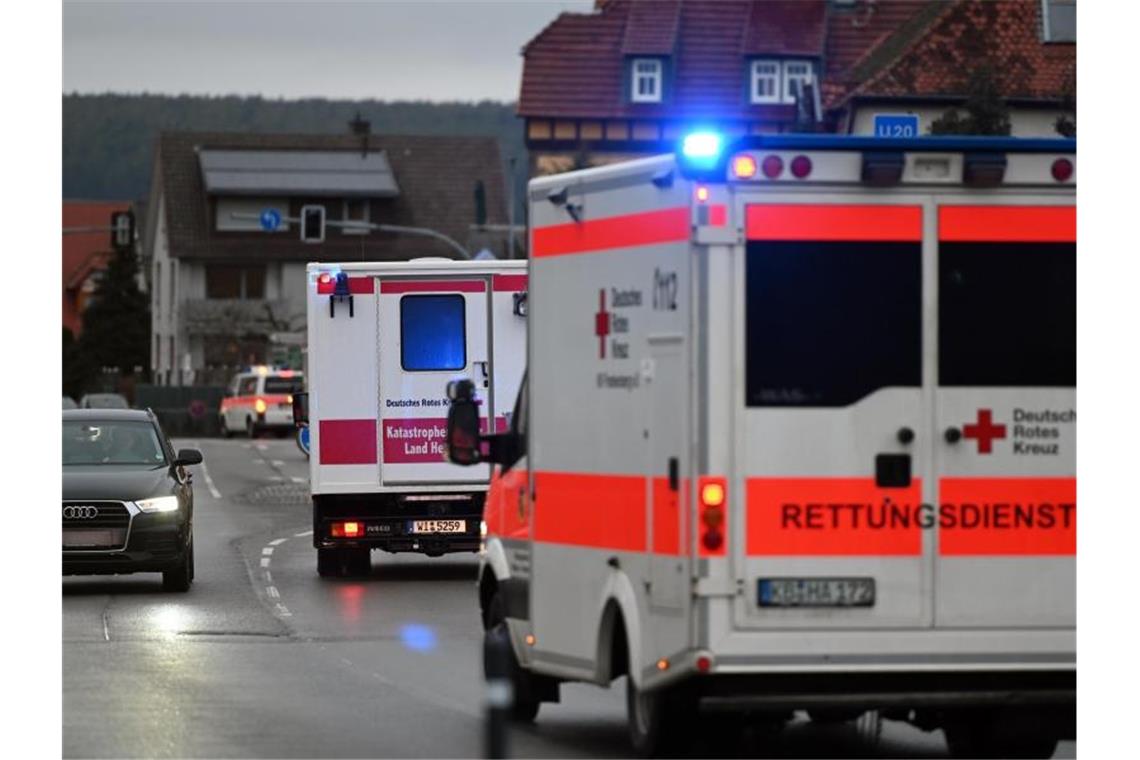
<point x="1005" y="435"/>
<point x="432" y="329"/>
<point x="830" y="395"/>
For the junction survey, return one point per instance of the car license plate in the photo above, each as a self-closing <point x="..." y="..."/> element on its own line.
<point x="92" y="539"/>
<point x="439" y="526"/>
<point x="816" y="592"/>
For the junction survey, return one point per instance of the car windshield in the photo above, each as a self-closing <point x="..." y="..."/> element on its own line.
<point x="106" y="401"/>
<point x="111" y="442"/>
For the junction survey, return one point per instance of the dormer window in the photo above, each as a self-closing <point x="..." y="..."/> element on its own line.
<point x="646" y="84"/>
<point x="765" y="81"/>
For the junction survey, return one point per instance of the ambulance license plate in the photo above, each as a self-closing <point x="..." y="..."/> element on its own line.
<point x="816" y="592"/>
<point x="439" y="526"/>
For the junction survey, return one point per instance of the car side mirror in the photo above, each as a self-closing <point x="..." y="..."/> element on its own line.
<point x="301" y="408"/>
<point x="462" y="424"/>
<point x="187" y="457"/>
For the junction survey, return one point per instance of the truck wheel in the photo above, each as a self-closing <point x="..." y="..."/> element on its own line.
<point x="986" y="733"/>
<point x="180" y="578"/>
<point x="524" y="708"/>
<point x="359" y="562"/>
<point x="328" y="563"/>
<point x="869" y="727"/>
<point x="656" y="719"/>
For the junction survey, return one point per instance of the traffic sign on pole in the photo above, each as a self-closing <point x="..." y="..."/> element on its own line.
<point x="896" y="125"/>
<point x="270" y="219"/>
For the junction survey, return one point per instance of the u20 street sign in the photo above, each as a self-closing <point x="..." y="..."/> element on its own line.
<point x="896" y="125"/>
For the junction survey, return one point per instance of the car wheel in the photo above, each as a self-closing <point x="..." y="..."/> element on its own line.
<point x="525" y="704"/>
<point x="180" y="578"/>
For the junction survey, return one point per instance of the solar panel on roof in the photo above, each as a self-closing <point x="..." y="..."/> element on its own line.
<point x="296" y="172"/>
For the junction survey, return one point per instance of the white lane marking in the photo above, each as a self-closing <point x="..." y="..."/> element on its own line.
<point x="106" y="631"/>
<point x="259" y="460"/>
<point x="275" y="478"/>
<point x="262" y="446"/>
<point x="267" y="550"/>
<point x="268" y="578"/>
<point x="283" y="611"/>
<point x="272" y="591"/>
<point x="210" y="482"/>
<point x="278" y="463"/>
<point x="265" y="561"/>
<point x="298" y="479"/>
<point x="278" y="541"/>
<point x="303" y="534"/>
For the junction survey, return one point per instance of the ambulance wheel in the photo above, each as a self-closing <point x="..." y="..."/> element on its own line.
<point x="989" y="733"/>
<point x="655" y="719"/>
<point x="525" y="703"/>
<point x="226" y="432"/>
<point x="344" y="563"/>
<point x="250" y="428"/>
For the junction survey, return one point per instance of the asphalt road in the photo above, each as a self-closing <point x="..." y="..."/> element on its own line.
<point x="264" y="659"/>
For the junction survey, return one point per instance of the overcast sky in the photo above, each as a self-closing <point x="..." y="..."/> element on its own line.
<point x="384" y="49"/>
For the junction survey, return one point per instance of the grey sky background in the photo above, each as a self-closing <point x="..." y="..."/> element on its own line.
<point x="385" y="49"/>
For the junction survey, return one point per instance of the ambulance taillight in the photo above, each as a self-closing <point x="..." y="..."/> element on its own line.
<point x="772" y="166"/>
<point x="712" y="501"/>
<point x="801" y="167"/>
<point x="744" y="166"/>
<point x="1062" y="169"/>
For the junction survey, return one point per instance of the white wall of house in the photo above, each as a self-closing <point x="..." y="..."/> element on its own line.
<point x="1024" y="122"/>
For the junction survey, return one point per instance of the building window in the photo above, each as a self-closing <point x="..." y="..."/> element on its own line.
<point x="795" y="71"/>
<point x="646" y="81"/>
<point x="356" y="210"/>
<point x="433" y="333"/>
<point x="765" y="81"/>
<point x="1059" y="20"/>
<point x="235" y="281"/>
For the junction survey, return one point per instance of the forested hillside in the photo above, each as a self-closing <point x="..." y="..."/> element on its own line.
<point x="108" y="140"/>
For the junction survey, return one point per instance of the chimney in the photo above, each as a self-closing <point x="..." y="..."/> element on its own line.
<point x="362" y="128"/>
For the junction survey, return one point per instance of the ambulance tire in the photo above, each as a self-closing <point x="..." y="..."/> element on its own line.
<point x="525" y="704"/>
<point x="344" y="563"/>
<point x="226" y="432"/>
<point x="251" y="430"/>
<point x="989" y="733"/>
<point x="656" y="720"/>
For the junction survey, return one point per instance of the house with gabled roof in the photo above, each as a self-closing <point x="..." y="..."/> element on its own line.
<point x="628" y="78"/>
<point x="228" y="293"/>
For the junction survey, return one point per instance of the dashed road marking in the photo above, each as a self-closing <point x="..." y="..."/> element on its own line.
<point x="278" y="463"/>
<point x="298" y="479"/>
<point x="209" y="481"/>
<point x="265" y="561"/>
<point x="267" y="550"/>
<point x="303" y="534"/>
<point x="268" y="578"/>
<point x="272" y="591"/>
<point x="278" y="541"/>
<point x="283" y="611"/>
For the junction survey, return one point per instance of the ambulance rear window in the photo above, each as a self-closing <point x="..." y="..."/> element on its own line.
<point x="1007" y="314"/>
<point x="829" y="323"/>
<point x="433" y="333"/>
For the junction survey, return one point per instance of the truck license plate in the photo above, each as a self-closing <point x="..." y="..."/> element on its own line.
<point x="816" y="592"/>
<point x="439" y="526"/>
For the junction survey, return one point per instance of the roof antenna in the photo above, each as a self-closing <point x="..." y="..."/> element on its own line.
<point x="362" y="128"/>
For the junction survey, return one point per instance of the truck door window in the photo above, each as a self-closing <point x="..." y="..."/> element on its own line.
<point x="433" y="333"/>
<point x="1007" y="314"/>
<point x="828" y="323"/>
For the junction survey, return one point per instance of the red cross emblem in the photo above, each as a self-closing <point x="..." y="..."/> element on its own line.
<point x="985" y="431"/>
<point x="602" y="323"/>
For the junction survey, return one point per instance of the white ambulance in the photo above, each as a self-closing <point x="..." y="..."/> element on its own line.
<point x="383" y="340"/>
<point x="798" y="433"/>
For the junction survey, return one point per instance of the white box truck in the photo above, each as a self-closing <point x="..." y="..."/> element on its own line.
<point x="798" y="432"/>
<point x="383" y="340"/>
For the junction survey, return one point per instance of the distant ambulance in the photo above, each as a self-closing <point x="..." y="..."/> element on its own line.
<point x="798" y="432"/>
<point x="384" y="339"/>
<point x="260" y="400"/>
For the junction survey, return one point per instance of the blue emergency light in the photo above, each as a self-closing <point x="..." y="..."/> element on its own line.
<point x="702" y="148"/>
<point x="341" y="291"/>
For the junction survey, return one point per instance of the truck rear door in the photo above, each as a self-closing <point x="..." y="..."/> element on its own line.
<point x="830" y="470"/>
<point x="431" y="330"/>
<point x="1005" y="436"/>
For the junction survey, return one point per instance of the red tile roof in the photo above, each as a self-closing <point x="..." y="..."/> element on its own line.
<point x="84" y="252"/>
<point x="574" y="67"/>
<point x="1002" y="34"/>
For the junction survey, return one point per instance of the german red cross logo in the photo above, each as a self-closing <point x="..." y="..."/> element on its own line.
<point x="602" y="323"/>
<point x="984" y="431"/>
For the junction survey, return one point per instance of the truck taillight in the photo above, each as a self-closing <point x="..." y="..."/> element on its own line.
<point x="772" y="166"/>
<point x="350" y="529"/>
<point x="713" y="524"/>
<point x="1062" y="169"/>
<point x="744" y="166"/>
<point x="801" y="167"/>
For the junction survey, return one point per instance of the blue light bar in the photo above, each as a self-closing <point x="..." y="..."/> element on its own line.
<point x="702" y="146"/>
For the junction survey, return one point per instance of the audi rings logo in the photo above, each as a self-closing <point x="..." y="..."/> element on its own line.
<point x="80" y="513"/>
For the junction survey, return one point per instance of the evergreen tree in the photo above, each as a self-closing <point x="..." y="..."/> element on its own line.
<point x="986" y="112"/>
<point x="77" y="368"/>
<point x="116" y="323"/>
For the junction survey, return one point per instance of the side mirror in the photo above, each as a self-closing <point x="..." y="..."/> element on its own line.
<point x="187" y="457"/>
<point x="462" y="424"/>
<point x="301" y="408"/>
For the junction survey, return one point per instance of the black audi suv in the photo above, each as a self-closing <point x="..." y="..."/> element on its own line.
<point x="128" y="504"/>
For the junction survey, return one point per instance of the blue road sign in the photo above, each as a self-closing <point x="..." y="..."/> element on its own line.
<point x="896" y="125"/>
<point x="270" y="219"/>
<point x="303" y="439"/>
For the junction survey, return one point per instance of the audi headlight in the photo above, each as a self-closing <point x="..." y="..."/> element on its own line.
<point x="159" y="504"/>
